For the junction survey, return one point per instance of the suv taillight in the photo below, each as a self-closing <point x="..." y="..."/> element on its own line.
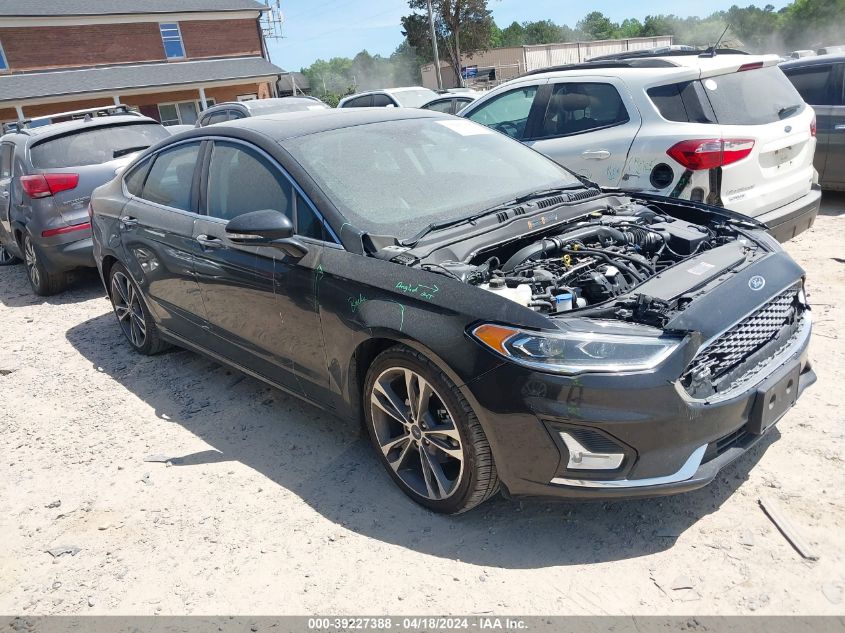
<point x="710" y="153"/>
<point x="46" y="185"/>
<point x="813" y="127"/>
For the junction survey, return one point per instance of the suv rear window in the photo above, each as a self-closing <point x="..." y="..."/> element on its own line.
<point x="733" y="99"/>
<point x="96" y="146"/>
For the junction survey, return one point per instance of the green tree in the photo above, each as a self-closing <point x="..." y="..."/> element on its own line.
<point x="460" y="25"/>
<point x="513" y="35"/>
<point x="541" y="32"/>
<point x="597" y="26"/>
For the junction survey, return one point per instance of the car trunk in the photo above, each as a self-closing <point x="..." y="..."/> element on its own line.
<point x="758" y="103"/>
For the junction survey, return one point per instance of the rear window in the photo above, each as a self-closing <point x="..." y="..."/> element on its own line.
<point x="734" y="99"/>
<point x="813" y="84"/>
<point x="96" y="146"/>
<point x="753" y="97"/>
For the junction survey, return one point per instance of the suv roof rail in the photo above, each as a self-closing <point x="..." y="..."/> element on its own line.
<point x="652" y="53"/>
<point x="604" y="63"/>
<point x="71" y="115"/>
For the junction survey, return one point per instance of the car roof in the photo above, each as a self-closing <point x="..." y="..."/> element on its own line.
<point x="816" y="60"/>
<point x="260" y="104"/>
<point x="55" y="129"/>
<point x="285" y="125"/>
<point x="389" y="91"/>
<point x="673" y="68"/>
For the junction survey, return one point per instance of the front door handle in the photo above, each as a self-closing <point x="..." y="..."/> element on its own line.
<point x="839" y="127"/>
<point x="596" y="154"/>
<point x="207" y="241"/>
<point x="5" y="194"/>
<point x="128" y="220"/>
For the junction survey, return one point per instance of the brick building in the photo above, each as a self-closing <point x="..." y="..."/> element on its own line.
<point x="169" y="58"/>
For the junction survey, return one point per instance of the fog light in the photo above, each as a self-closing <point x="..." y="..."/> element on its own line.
<point x="581" y="458"/>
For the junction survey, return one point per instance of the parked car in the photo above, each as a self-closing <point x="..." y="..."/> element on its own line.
<point x="234" y="110"/>
<point x="178" y="129"/>
<point x="535" y="333"/>
<point x="728" y="130"/>
<point x="410" y="97"/>
<point x="47" y="174"/>
<point x="450" y="103"/>
<point x="821" y="83"/>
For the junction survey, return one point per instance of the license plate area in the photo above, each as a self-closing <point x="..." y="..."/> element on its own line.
<point x="775" y="397"/>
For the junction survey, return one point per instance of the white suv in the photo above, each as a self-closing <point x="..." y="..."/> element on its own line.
<point x="728" y="130"/>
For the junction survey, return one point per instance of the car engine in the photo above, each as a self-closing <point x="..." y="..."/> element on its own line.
<point x="594" y="260"/>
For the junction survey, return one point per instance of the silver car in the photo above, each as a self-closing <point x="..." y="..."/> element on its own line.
<point x="47" y="174"/>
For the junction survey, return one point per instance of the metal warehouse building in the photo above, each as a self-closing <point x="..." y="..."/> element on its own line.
<point x="500" y="64"/>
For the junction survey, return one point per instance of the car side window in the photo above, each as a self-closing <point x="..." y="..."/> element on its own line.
<point x="234" y="115"/>
<point x="441" y="106"/>
<point x="382" y="101"/>
<point x="307" y="222"/>
<point x="814" y="84"/>
<point x="508" y="112"/>
<point x="575" y="108"/>
<point x="241" y="180"/>
<point x="359" y="102"/>
<point x="217" y="117"/>
<point x="171" y="177"/>
<point x="6" y="152"/>
<point x="134" y="180"/>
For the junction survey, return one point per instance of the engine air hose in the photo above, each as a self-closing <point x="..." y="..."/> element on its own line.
<point x="554" y="244"/>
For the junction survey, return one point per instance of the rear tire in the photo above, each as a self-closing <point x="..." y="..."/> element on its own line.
<point x="426" y="434"/>
<point x="43" y="282"/>
<point x="133" y="316"/>
<point x="6" y="257"/>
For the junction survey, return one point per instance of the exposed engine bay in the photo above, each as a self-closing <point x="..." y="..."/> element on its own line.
<point x="592" y="260"/>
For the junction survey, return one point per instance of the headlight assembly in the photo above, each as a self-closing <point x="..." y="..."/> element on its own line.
<point x="576" y="352"/>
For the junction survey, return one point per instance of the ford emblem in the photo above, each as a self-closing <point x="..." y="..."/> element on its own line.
<point x="756" y="282"/>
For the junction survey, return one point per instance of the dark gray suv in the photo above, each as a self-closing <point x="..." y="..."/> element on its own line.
<point x="47" y="174"/>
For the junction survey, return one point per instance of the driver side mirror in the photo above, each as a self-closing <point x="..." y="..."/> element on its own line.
<point x="265" y="228"/>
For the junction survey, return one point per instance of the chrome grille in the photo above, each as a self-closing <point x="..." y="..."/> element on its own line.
<point x="752" y="334"/>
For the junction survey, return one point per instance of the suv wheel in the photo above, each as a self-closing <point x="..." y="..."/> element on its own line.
<point x="427" y="436"/>
<point x="132" y="314"/>
<point x="43" y="282"/>
<point x="6" y="257"/>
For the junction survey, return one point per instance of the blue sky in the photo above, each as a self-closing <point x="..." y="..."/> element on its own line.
<point x="340" y="28"/>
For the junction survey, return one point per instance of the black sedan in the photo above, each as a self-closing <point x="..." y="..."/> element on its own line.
<point x="495" y="321"/>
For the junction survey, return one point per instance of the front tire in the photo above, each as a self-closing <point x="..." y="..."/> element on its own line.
<point x="134" y="318"/>
<point x="426" y="434"/>
<point x="43" y="282"/>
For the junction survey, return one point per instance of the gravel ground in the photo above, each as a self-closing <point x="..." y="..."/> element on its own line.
<point x="271" y="507"/>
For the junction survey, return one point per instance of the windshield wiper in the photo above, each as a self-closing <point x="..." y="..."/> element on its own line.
<point x="127" y="150"/>
<point x="788" y="111"/>
<point x="437" y="226"/>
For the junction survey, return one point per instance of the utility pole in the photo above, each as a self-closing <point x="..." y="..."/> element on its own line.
<point x="434" y="46"/>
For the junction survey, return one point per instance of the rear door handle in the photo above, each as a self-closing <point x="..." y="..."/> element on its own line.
<point x="839" y="127"/>
<point x="596" y="154"/>
<point x="128" y="220"/>
<point x="5" y="194"/>
<point x="207" y="241"/>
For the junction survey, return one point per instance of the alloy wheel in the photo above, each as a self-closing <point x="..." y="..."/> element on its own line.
<point x="31" y="261"/>
<point x="417" y="433"/>
<point x="5" y="255"/>
<point x="127" y="307"/>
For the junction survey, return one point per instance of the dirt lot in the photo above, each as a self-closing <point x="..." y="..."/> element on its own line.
<point x="271" y="507"/>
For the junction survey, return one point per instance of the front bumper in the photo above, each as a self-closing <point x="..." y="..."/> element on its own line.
<point x="787" y="221"/>
<point x="672" y="443"/>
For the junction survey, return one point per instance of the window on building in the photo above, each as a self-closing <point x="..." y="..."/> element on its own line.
<point x="171" y="37"/>
<point x="4" y="65"/>
<point x="182" y="113"/>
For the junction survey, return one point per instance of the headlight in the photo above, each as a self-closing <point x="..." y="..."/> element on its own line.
<point x="576" y="352"/>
